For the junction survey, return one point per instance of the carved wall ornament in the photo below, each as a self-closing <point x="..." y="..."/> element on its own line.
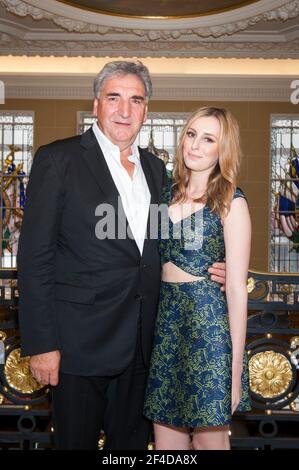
<point x="10" y="44"/>
<point x="18" y="375"/>
<point x="270" y="373"/>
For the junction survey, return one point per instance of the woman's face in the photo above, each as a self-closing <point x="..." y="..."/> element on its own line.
<point x="201" y="144"/>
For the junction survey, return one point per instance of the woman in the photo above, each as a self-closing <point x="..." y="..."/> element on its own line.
<point x="198" y="376"/>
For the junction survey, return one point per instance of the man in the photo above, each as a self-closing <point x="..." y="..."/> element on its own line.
<point x="88" y="303"/>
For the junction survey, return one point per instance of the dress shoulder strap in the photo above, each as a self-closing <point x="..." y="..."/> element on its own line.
<point x="239" y="193"/>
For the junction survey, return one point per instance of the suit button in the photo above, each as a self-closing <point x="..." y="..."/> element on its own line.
<point x="138" y="297"/>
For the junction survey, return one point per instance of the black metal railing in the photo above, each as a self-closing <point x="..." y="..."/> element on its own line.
<point x="24" y="404"/>
<point x="273" y="353"/>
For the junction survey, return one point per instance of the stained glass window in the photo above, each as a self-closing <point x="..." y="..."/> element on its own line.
<point x="284" y="220"/>
<point x="16" y="147"/>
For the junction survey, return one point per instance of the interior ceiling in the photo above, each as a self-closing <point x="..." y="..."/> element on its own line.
<point x="158" y="8"/>
<point x="158" y="28"/>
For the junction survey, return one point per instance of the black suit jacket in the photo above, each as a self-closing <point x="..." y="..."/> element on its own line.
<point x="79" y="294"/>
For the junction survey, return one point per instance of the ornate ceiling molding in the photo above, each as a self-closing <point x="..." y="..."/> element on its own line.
<point x="11" y="45"/>
<point x="227" y="23"/>
<point x="74" y="32"/>
<point x="172" y="88"/>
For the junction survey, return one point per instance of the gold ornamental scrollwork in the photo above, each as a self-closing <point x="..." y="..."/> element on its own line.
<point x="101" y="443"/>
<point x="250" y="284"/>
<point x="257" y="289"/>
<point x="286" y="288"/>
<point x="294" y="342"/>
<point x="18" y="374"/>
<point x="3" y="335"/>
<point x="293" y="406"/>
<point x="270" y="374"/>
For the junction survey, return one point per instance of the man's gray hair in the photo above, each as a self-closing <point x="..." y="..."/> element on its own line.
<point x="123" y="67"/>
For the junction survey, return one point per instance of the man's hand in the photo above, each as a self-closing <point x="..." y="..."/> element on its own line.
<point x="45" y="367"/>
<point x="218" y="274"/>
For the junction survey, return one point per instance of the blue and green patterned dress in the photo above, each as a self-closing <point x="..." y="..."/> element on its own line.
<point x="189" y="381"/>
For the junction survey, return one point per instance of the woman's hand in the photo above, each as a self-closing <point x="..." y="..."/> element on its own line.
<point x="218" y="274"/>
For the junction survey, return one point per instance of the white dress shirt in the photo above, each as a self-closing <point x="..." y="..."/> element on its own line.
<point x="134" y="192"/>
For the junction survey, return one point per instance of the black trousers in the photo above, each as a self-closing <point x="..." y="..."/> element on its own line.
<point x="83" y="406"/>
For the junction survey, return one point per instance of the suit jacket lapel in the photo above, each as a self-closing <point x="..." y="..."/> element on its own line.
<point x="149" y="176"/>
<point x="148" y="170"/>
<point x="96" y="162"/>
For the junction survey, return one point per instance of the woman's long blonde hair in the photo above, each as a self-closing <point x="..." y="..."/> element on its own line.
<point x="222" y="180"/>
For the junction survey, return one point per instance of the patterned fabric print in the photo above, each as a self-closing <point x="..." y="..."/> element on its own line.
<point x="209" y="231"/>
<point x="190" y="375"/>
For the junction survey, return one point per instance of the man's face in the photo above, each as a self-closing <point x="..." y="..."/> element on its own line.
<point x="121" y="109"/>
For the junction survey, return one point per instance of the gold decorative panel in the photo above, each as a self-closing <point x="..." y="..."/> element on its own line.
<point x="270" y="373"/>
